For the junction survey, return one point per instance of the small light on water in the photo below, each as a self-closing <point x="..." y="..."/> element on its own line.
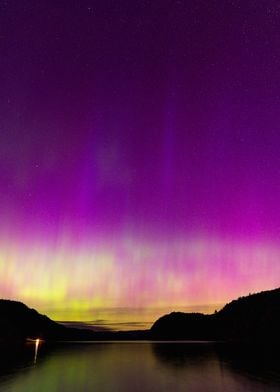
<point x="37" y="341"/>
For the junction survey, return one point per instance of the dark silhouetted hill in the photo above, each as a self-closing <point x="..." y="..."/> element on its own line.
<point x="251" y="318"/>
<point x="190" y="326"/>
<point x="18" y="322"/>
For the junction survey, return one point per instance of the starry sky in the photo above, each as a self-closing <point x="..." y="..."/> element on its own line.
<point x="139" y="153"/>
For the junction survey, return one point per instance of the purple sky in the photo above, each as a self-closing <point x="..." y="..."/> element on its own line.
<point x="141" y="122"/>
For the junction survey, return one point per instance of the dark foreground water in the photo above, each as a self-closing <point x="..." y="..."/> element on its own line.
<point x="137" y="366"/>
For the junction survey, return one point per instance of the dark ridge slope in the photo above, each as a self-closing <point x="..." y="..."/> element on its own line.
<point x="255" y="317"/>
<point x="17" y="321"/>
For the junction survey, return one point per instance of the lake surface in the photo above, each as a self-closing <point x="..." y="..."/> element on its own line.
<point x="138" y="366"/>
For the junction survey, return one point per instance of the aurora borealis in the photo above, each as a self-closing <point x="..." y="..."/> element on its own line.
<point x="139" y="153"/>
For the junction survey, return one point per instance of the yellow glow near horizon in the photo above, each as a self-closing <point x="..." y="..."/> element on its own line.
<point x="73" y="284"/>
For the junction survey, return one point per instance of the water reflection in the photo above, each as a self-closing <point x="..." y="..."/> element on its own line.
<point x="139" y="367"/>
<point x="258" y="361"/>
<point x="255" y="367"/>
<point x="182" y="354"/>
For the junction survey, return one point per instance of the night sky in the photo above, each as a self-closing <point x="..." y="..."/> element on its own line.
<point x="139" y="153"/>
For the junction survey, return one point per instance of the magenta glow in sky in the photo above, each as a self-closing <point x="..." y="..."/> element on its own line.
<point x="139" y="152"/>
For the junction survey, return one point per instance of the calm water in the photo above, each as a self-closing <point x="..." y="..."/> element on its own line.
<point x="139" y="367"/>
